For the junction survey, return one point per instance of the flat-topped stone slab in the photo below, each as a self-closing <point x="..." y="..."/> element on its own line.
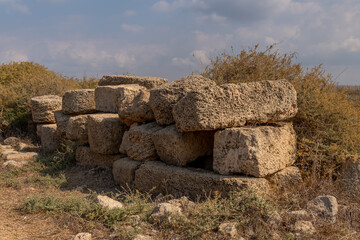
<point x="43" y="108"/>
<point x="162" y="99"/>
<point x="148" y="82"/>
<point x="179" y="181"/>
<point x="182" y="148"/>
<point x="254" y="150"/>
<point x="137" y="142"/>
<point x="105" y="132"/>
<point x="50" y="140"/>
<point x="79" y="101"/>
<point x="85" y="157"/>
<point x="234" y="105"/>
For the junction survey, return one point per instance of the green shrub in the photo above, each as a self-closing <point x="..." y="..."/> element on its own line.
<point x="327" y="123"/>
<point x="19" y="82"/>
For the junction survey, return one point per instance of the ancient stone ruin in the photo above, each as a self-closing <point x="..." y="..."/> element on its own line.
<point x="186" y="137"/>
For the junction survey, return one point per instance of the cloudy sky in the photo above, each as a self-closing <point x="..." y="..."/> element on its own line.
<point x="173" y="38"/>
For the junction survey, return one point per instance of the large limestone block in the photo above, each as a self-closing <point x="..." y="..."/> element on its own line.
<point x="182" y="148"/>
<point x="166" y="179"/>
<point x="350" y="176"/>
<point x="61" y="123"/>
<point x="85" y="157"/>
<point x="254" y="150"/>
<point x="137" y="142"/>
<point x="148" y="82"/>
<point x="76" y="129"/>
<point x="162" y="99"/>
<point x="79" y="101"/>
<point x="124" y="171"/>
<point x="233" y="105"/>
<point x="133" y="104"/>
<point x="43" y="108"/>
<point x="50" y="140"/>
<point x="105" y="133"/>
<point x="106" y="98"/>
<point x="288" y="177"/>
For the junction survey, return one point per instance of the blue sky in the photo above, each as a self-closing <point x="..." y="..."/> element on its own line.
<point x="173" y="38"/>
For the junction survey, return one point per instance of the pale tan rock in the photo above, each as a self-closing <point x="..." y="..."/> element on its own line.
<point x="21" y="156"/>
<point x="137" y="142"/>
<point x="179" y="181"/>
<point x="61" y="123"/>
<point x="162" y="99"/>
<point x="43" y="108"/>
<point x="105" y="132"/>
<point x="109" y="203"/>
<point x="82" y="236"/>
<point x="133" y="104"/>
<point x="143" y="237"/>
<point x="76" y="129"/>
<point x="124" y="171"/>
<point x="50" y="140"/>
<point x="184" y="203"/>
<point x="4" y="153"/>
<point x="5" y="147"/>
<point x="85" y="157"/>
<point x="233" y="105"/>
<point x="12" y="164"/>
<point x="12" y="141"/>
<point x="164" y="212"/>
<point x="107" y="97"/>
<point x="228" y="229"/>
<point x="304" y="229"/>
<point x="288" y="177"/>
<point x="350" y="176"/>
<point x="324" y="207"/>
<point x="182" y="148"/>
<point x="79" y="101"/>
<point x="148" y="82"/>
<point x="254" y="150"/>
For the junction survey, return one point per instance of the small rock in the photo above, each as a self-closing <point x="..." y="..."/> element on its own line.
<point x="135" y="220"/>
<point x="12" y="141"/>
<point x="184" y="203"/>
<point x="108" y="202"/>
<point x="164" y="212"/>
<point x="325" y="207"/>
<point x="142" y="237"/>
<point x="13" y="164"/>
<point x="304" y="228"/>
<point x="274" y="220"/>
<point x="82" y="236"/>
<point x="228" y="229"/>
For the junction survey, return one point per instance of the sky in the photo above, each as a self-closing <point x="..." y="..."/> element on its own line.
<point x="175" y="38"/>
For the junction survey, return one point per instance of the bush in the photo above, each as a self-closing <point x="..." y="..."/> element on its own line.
<point x="19" y="82"/>
<point x="327" y="123"/>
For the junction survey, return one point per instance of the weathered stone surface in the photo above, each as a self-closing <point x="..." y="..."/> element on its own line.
<point x="148" y="82"/>
<point x="20" y="156"/>
<point x="350" y="176"/>
<point x="124" y="171"/>
<point x="43" y="108"/>
<point x="297" y="215"/>
<point x="254" y="150"/>
<point x="228" y="229"/>
<point x="233" y="105"/>
<point x="85" y="157"/>
<point x="164" y="212"/>
<point x="133" y="104"/>
<point x="107" y="202"/>
<point x="12" y="164"/>
<point x="82" y="236"/>
<point x="182" y="148"/>
<point x="143" y="237"/>
<point x="288" y="177"/>
<point x="137" y="142"/>
<point x="61" y="123"/>
<point x="79" y="101"/>
<point x="325" y="207"/>
<point x="304" y="229"/>
<point x="12" y="141"/>
<point x="162" y="99"/>
<point x="105" y="132"/>
<point x="50" y="140"/>
<point x="107" y="97"/>
<point x="180" y="181"/>
<point x="76" y="129"/>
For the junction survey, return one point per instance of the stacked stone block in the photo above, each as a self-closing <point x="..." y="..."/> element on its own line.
<point x="187" y="137"/>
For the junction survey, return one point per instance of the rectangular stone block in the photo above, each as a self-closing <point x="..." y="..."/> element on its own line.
<point x="162" y="99"/>
<point x="254" y="150"/>
<point x="85" y="157"/>
<point x="79" y="101"/>
<point x="137" y="142"/>
<point x="182" y="148"/>
<point x="148" y="82"/>
<point x="233" y="105"/>
<point x="106" y="98"/>
<point x="50" y="140"/>
<point x="61" y="123"/>
<point x="124" y="171"/>
<point x="76" y="129"/>
<point x="105" y="133"/>
<point x="43" y="108"/>
<point x="166" y="179"/>
<point x="133" y="104"/>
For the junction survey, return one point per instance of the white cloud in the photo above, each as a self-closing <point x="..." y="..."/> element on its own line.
<point x="178" y="61"/>
<point x="16" y="5"/>
<point x="132" y="27"/>
<point x="13" y="55"/>
<point x="129" y="13"/>
<point x="162" y="6"/>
